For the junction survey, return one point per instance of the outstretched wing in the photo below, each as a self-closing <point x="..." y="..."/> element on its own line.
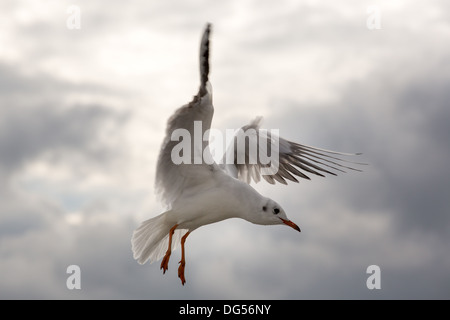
<point x="188" y="121"/>
<point x="255" y="153"/>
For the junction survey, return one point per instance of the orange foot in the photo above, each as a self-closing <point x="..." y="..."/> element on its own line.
<point x="165" y="262"/>
<point x="182" y="262"/>
<point x="181" y="272"/>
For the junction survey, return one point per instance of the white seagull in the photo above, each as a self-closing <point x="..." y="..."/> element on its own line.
<point x="198" y="194"/>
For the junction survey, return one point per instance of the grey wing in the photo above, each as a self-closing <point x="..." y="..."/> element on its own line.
<point x="256" y="152"/>
<point x="172" y="177"/>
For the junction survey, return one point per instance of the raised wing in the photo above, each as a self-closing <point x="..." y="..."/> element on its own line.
<point x="255" y="153"/>
<point x="191" y="119"/>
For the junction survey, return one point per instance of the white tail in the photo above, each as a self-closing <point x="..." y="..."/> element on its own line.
<point x="151" y="238"/>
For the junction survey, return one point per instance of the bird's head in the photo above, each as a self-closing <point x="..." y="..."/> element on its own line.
<point x="271" y="213"/>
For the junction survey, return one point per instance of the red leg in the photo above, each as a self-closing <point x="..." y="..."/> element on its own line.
<point x="165" y="260"/>
<point x="182" y="262"/>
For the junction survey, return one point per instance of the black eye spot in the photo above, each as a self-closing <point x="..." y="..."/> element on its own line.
<point x="276" y="211"/>
<point x="264" y="208"/>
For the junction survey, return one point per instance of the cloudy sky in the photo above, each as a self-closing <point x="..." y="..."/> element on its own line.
<point x="83" y="113"/>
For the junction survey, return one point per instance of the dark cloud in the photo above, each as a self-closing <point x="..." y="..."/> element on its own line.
<point x="25" y="135"/>
<point x="35" y="120"/>
<point x="406" y="147"/>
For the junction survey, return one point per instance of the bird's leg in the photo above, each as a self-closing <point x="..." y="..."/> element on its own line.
<point x="165" y="260"/>
<point x="182" y="262"/>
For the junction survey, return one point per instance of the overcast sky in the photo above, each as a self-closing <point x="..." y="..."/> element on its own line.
<point x="83" y="114"/>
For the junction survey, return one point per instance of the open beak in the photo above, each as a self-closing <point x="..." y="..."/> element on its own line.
<point x="290" y="224"/>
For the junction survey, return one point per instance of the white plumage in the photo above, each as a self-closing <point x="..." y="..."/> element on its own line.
<point x="201" y="194"/>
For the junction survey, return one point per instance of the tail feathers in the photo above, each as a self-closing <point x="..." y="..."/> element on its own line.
<point x="151" y="239"/>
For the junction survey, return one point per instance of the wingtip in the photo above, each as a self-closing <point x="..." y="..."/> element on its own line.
<point x="204" y="57"/>
<point x="257" y="121"/>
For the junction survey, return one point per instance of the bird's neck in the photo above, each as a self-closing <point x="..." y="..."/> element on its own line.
<point x="247" y="200"/>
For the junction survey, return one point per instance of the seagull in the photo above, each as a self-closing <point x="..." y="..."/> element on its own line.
<point x="199" y="193"/>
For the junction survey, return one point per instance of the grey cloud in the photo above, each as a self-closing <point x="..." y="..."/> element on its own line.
<point x="34" y="119"/>
<point x="34" y="87"/>
<point x="25" y="135"/>
<point x="408" y="149"/>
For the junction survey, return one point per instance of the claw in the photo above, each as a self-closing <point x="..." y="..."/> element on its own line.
<point x="165" y="262"/>
<point x="181" y="272"/>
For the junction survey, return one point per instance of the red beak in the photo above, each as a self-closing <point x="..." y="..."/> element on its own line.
<point x="291" y="224"/>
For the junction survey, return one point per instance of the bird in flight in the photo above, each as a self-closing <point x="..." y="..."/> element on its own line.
<point x="198" y="193"/>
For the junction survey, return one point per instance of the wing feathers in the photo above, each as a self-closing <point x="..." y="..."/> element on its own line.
<point x="294" y="159"/>
<point x="171" y="179"/>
